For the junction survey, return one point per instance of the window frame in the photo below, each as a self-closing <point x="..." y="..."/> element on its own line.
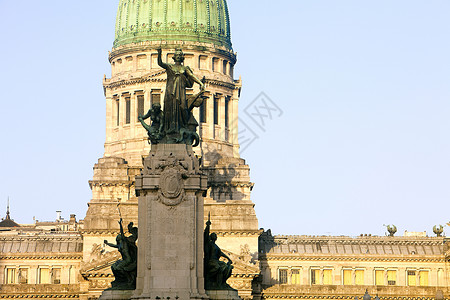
<point x="280" y="275"/>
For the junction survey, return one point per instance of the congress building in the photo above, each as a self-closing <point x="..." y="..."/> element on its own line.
<point x="67" y="259"/>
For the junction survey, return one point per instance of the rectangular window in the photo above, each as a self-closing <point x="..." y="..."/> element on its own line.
<point x="156" y="97"/>
<point x="283" y="276"/>
<point x="327" y="277"/>
<point x="225" y="63"/>
<point x="295" y="276"/>
<point x="359" y="277"/>
<point x="227" y="112"/>
<point x="216" y="111"/>
<point x="23" y="275"/>
<point x="44" y="276"/>
<point x="423" y="277"/>
<point x="215" y="64"/>
<point x="379" y="277"/>
<point x="411" y="278"/>
<point x="56" y="276"/>
<point x="347" y="277"/>
<point x="140" y="106"/>
<point x="202" y="112"/>
<point x="315" y="275"/>
<point x="203" y="62"/>
<point x="392" y="277"/>
<point x="117" y="112"/>
<point x="10" y="276"/>
<point x="127" y="110"/>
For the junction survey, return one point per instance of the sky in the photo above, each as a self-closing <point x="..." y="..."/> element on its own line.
<point x="359" y="138"/>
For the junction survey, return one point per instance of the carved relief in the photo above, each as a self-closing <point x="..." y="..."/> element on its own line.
<point x="171" y="187"/>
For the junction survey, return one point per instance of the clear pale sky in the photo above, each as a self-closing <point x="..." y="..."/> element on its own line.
<point x="364" y="87"/>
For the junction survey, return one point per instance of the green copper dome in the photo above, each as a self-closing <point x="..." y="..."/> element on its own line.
<point x="173" y="20"/>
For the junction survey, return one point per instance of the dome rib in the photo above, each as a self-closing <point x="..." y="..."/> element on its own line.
<point x="205" y="21"/>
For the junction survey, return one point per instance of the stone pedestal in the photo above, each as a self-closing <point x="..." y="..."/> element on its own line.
<point x="170" y="213"/>
<point x="116" y="295"/>
<point x="223" y="295"/>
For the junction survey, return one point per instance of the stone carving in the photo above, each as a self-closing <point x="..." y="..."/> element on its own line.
<point x="155" y="131"/>
<point x="245" y="253"/>
<point x="438" y="230"/>
<point x="216" y="271"/>
<point x="176" y="124"/>
<point x="125" y="269"/>
<point x="171" y="189"/>
<point x="96" y="252"/>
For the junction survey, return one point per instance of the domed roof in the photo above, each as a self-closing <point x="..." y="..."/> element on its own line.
<point x="7" y="222"/>
<point x="173" y="20"/>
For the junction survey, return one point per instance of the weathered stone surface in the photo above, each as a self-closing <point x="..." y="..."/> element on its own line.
<point x="223" y="295"/>
<point x="116" y="295"/>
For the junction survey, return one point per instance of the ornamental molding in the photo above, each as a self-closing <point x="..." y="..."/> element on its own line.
<point x="429" y="241"/>
<point x="99" y="232"/>
<point x="112" y="183"/>
<point x="230" y="184"/>
<point x="275" y="295"/>
<point x="74" y="237"/>
<point x="153" y="77"/>
<point x="138" y="48"/>
<point x="42" y="256"/>
<point x="238" y="233"/>
<point x="269" y="257"/>
<point x="51" y="295"/>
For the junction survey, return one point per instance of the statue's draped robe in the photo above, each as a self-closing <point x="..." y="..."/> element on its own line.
<point x="176" y="113"/>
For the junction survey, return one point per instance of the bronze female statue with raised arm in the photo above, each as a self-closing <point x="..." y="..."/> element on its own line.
<point x="179" y="123"/>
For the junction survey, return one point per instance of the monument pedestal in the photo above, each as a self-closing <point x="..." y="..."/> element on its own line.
<point x="170" y="214"/>
<point x="223" y="295"/>
<point x="116" y="295"/>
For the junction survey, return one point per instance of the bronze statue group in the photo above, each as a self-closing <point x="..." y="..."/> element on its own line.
<point x="175" y="124"/>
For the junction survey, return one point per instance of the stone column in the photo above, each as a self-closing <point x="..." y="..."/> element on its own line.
<point x="170" y="255"/>
<point x="234" y="129"/>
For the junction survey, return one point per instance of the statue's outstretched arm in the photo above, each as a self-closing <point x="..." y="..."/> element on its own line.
<point x="121" y="227"/>
<point x="160" y="62"/>
<point x="147" y="115"/>
<point x="111" y="245"/>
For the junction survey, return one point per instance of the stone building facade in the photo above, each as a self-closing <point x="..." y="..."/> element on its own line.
<point x="302" y="267"/>
<point x="69" y="260"/>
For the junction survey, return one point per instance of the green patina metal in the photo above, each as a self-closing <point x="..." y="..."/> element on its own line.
<point x="205" y="21"/>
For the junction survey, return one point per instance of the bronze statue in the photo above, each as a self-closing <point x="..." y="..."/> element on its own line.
<point x="216" y="271"/>
<point x="392" y="229"/>
<point x="176" y="124"/>
<point x="125" y="269"/>
<point x="438" y="230"/>
<point x="155" y="131"/>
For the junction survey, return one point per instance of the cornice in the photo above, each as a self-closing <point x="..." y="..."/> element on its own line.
<point x="138" y="48"/>
<point x="126" y="183"/>
<point x="374" y="240"/>
<point x="42" y="256"/>
<point x="153" y="77"/>
<point x="288" y="257"/>
<point x="231" y="184"/>
<point x="237" y="233"/>
<point x="100" y="232"/>
<point x="275" y="295"/>
<point x="73" y="237"/>
<point x="39" y="296"/>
